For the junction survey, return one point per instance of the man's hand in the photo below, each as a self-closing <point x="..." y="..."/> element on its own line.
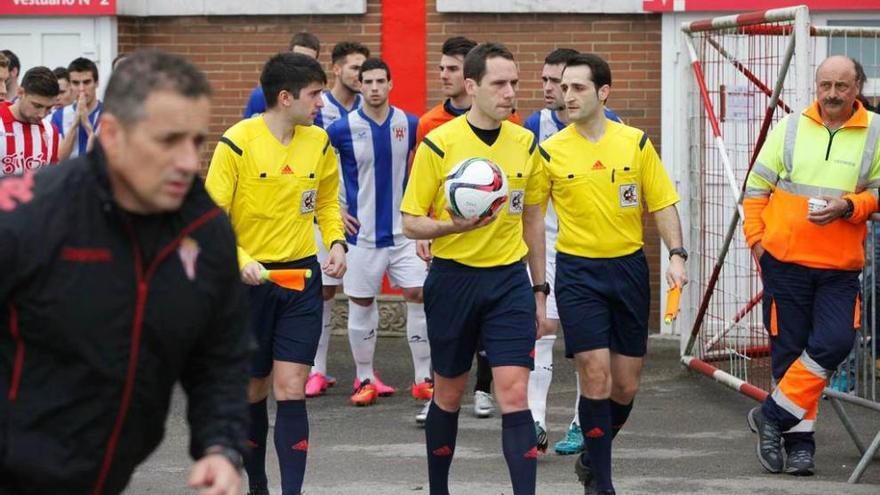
<point x="758" y="249"/>
<point x="350" y="223"/>
<point x="82" y="110"/>
<point x="252" y="273"/>
<point x="541" y="322"/>
<point x="215" y="475"/>
<point x="423" y="250"/>
<point x="676" y="273"/>
<point x="835" y="209"/>
<point x="335" y="264"/>
<point x="461" y="225"/>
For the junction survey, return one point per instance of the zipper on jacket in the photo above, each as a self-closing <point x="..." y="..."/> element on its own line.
<point x="142" y="278"/>
<point x="831" y="135"/>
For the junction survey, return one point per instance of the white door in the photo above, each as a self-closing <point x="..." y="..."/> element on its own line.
<point x="56" y="41"/>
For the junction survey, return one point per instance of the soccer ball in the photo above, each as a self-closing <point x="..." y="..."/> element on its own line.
<point x="476" y="187"/>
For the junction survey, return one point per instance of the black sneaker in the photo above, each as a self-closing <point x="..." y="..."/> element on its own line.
<point x="800" y="463"/>
<point x="769" y="444"/>
<point x="541" y="435"/>
<point x="585" y="475"/>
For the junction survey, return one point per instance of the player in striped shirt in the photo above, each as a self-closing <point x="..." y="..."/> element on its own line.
<point x="78" y="122"/>
<point x="28" y="143"/>
<point x="338" y="102"/>
<point x="543" y="124"/>
<point x="375" y="145"/>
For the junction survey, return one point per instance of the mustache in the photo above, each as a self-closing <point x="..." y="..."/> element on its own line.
<point x="832" y="101"/>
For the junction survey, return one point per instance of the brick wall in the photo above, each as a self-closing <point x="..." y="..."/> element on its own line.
<point x="231" y="50"/>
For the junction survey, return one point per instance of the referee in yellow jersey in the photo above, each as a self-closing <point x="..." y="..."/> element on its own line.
<point x="274" y="174"/>
<point x="601" y="175"/>
<point x="477" y="293"/>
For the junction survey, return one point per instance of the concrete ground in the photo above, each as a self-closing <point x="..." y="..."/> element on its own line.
<point x="687" y="435"/>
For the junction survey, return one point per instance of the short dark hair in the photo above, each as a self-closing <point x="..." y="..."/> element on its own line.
<point x="4" y="62"/>
<point x="560" y="56"/>
<point x="346" y="48"/>
<point x="289" y="72"/>
<point x="305" y="39"/>
<point x="40" y="81"/>
<point x="14" y="63"/>
<point x="600" y="72"/>
<point x="82" y="64"/>
<point x="61" y="73"/>
<point x="475" y="60"/>
<point x="457" y="45"/>
<point x="149" y="71"/>
<point x="373" y="64"/>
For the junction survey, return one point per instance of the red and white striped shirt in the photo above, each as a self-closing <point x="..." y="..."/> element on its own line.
<point x="25" y="146"/>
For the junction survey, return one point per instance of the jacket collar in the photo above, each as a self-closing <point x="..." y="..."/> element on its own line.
<point x="859" y="117"/>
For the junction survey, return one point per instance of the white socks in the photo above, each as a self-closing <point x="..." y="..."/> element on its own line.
<point x="363" y="326"/>
<point x="320" y="365"/>
<point x="417" y="335"/>
<point x="577" y="400"/>
<point x="540" y="378"/>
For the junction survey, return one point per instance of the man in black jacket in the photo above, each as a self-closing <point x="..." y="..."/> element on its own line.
<point x="119" y="278"/>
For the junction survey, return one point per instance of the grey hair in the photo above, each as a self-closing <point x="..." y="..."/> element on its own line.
<point x="145" y="72"/>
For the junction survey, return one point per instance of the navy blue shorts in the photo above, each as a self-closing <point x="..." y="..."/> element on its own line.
<point x="287" y="323"/>
<point x="491" y="309"/>
<point x="604" y="303"/>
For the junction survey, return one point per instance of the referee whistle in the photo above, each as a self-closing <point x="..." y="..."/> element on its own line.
<point x="294" y="278"/>
<point x="673" y="301"/>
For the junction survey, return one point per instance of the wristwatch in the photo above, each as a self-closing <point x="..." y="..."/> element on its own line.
<point x="233" y="456"/>
<point x="679" y="251"/>
<point x="545" y="288"/>
<point x="340" y="242"/>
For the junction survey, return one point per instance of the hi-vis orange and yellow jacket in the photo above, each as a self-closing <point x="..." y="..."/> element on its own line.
<point x="803" y="159"/>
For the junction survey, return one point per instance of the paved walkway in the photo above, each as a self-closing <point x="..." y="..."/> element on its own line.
<point x="687" y="435"/>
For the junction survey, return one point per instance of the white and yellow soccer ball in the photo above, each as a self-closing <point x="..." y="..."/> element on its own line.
<point x="476" y="187"/>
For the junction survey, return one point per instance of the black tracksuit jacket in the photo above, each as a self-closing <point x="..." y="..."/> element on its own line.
<point x="99" y="320"/>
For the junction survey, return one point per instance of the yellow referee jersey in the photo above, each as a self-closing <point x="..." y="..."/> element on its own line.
<point x="500" y="242"/>
<point x="273" y="192"/>
<point x="599" y="190"/>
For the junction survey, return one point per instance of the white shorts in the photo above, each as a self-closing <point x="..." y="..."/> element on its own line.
<point x="322" y="257"/>
<point x="550" y="276"/>
<point x="363" y="278"/>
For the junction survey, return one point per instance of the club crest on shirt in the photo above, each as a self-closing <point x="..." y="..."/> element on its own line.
<point x="629" y="195"/>
<point x="307" y="203"/>
<point x="399" y="132"/>
<point x="517" y="199"/>
<point x="189" y="254"/>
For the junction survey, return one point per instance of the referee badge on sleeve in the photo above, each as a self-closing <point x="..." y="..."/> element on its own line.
<point x="629" y="195"/>
<point x="307" y="203"/>
<point x="516" y="201"/>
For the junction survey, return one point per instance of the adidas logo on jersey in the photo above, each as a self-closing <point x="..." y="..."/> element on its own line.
<point x="598" y="166"/>
<point x="287" y="170"/>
